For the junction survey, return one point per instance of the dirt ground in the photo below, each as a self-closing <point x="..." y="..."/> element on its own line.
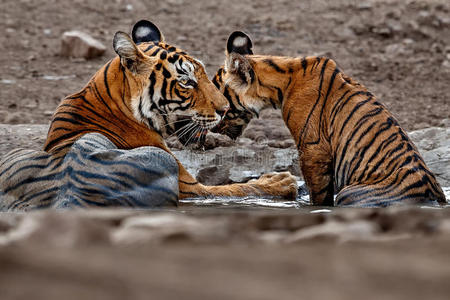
<point x="399" y="49"/>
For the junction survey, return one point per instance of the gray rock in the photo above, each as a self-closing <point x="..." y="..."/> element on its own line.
<point x="214" y="175"/>
<point x="434" y="146"/>
<point x="81" y="45"/>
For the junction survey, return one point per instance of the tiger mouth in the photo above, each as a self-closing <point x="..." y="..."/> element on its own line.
<point x="190" y="131"/>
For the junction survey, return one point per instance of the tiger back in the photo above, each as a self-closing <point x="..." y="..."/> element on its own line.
<point x="349" y="144"/>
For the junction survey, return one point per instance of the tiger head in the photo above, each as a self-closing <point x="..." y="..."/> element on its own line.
<point x="171" y="91"/>
<point x="244" y="85"/>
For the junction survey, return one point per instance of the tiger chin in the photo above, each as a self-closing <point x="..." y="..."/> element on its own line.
<point x="349" y="144"/>
<point x="152" y="90"/>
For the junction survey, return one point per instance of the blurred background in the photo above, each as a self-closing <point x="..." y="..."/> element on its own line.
<point x="399" y="49"/>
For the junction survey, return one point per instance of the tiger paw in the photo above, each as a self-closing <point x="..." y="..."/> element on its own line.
<point x="282" y="185"/>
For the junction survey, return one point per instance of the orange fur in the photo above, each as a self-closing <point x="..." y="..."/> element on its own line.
<point x="348" y="142"/>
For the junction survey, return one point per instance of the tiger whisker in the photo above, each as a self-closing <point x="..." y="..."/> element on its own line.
<point x="189" y="128"/>
<point x="194" y="132"/>
<point x="181" y="129"/>
<point x="171" y="123"/>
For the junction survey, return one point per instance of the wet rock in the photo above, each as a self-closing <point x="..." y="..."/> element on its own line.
<point x="214" y="175"/>
<point x="281" y="144"/>
<point x="286" y="160"/>
<point x="434" y="146"/>
<point x="214" y="140"/>
<point x="79" y="44"/>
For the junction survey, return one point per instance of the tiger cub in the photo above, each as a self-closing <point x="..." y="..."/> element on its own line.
<point x="349" y="144"/>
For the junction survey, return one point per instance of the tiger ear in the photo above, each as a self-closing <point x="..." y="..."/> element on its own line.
<point x="145" y="31"/>
<point x="130" y="55"/>
<point x="239" y="42"/>
<point x="240" y="67"/>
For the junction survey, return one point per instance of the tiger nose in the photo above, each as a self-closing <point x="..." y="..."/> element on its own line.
<point x="223" y="112"/>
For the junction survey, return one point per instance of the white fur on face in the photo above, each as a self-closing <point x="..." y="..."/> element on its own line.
<point x="144" y="103"/>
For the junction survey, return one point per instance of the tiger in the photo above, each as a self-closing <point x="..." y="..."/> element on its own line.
<point x="151" y="90"/>
<point x="352" y="151"/>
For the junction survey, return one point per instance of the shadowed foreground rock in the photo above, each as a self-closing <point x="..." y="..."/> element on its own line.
<point x="226" y="254"/>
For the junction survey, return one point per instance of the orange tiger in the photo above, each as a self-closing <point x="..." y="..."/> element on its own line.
<point x="349" y="144"/>
<point x="149" y="91"/>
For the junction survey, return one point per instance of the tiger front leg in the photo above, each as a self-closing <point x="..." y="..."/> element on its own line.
<point x="282" y="185"/>
<point x="318" y="174"/>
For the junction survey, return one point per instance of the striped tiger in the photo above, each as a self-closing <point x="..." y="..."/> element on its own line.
<point x="349" y="144"/>
<point x="150" y="91"/>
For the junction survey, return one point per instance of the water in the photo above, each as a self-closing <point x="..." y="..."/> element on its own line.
<point x="253" y="201"/>
<point x="302" y="201"/>
<point x="246" y="202"/>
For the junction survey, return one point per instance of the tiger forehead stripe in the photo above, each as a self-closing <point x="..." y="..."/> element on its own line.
<point x="186" y="68"/>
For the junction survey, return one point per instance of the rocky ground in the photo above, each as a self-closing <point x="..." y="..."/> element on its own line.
<point x="399" y="49"/>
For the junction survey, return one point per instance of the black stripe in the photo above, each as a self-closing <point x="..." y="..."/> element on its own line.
<point x="151" y="88"/>
<point x="274" y="65"/>
<point x="164" y="89"/>
<point x="361" y="151"/>
<point x="304" y="65"/>
<point x="280" y="95"/>
<point x="354" y="110"/>
<point x="99" y="97"/>
<point x="173" y="58"/>
<point x="155" y="52"/>
<point x="149" y="47"/>
<point x="166" y="73"/>
<point x="105" y="78"/>
<point x="303" y="131"/>
<point x="163" y="55"/>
